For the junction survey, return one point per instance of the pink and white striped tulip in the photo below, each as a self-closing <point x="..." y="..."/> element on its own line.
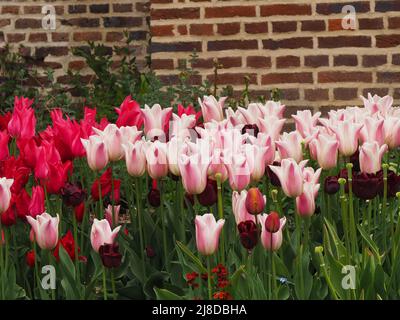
<point x="371" y="157"/>
<point x="305" y="203"/>
<point x="373" y="130"/>
<point x="112" y="214"/>
<point x="112" y="137"/>
<point x="290" y="176"/>
<point x="239" y="171"/>
<point x="289" y="146"/>
<point x="45" y="229"/>
<point x="392" y="132"/>
<point x="306" y="122"/>
<point x="271" y="241"/>
<point x="101" y="234"/>
<point x="193" y="170"/>
<point x="5" y="193"/>
<point x="239" y="207"/>
<point x="256" y="158"/>
<point x="135" y="158"/>
<point x="96" y="152"/>
<point x="156" y="159"/>
<point x="271" y="125"/>
<point x="347" y="133"/>
<point x="325" y="150"/>
<point x="378" y="104"/>
<point x="211" y="108"/>
<point x="207" y="233"/>
<point x="155" y="121"/>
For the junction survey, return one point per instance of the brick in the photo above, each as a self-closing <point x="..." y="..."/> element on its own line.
<point x="15" y="37"/>
<point x="313" y="25"/>
<point x="59" y="36"/>
<point x="38" y="37"/>
<point x="201" y="29"/>
<point x="114" y="36"/>
<point x="122" y="7"/>
<point x="219" y="45"/>
<point x="162" y="31"/>
<point x="82" y="22"/>
<point x="99" y="8"/>
<point x="388" y="41"/>
<point x="316" y="94"/>
<point x="203" y="63"/>
<point x="47" y="64"/>
<point x="28" y="23"/>
<point x="396" y="59"/>
<point x="230" y="62"/>
<point x="349" y="60"/>
<point x="258" y="62"/>
<point x="87" y="36"/>
<point x="226" y="29"/>
<point x="334" y="8"/>
<point x="386" y="6"/>
<point x="336" y="25"/>
<point x="143" y="6"/>
<point x="175" y="46"/>
<point x="138" y="35"/>
<point x="257" y="27"/>
<point x="230" y="11"/>
<point x="316" y="61"/>
<point x="284" y="26"/>
<point x="42" y="52"/>
<point x="343" y="76"/>
<point x="373" y="60"/>
<point x="4" y="22"/>
<point x="182" y="29"/>
<point x="77" y="8"/>
<point x="396" y="93"/>
<point x="76" y="65"/>
<point x="287" y="61"/>
<point x="345" y="93"/>
<point x="159" y="64"/>
<point x="233" y="78"/>
<point x="394" y="22"/>
<point x="122" y="22"/>
<point x="388" y="77"/>
<point x="285" y="10"/>
<point x="290" y="94"/>
<point x="174" y="14"/>
<point x="32" y="9"/>
<point x="291" y="43"/>
<point x="370" y="24"/>
<point x="293" y="77"/>
<point x="10" y="9"/>
<point x="344" y="41"/>
<point x="379" y="91"/>
<point x="292" y="110"/>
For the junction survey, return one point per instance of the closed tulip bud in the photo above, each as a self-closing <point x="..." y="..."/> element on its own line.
<point x="73" y="194"/>
<point x="331" y="185"/>
<point x="272" y="223"/>
<point x="45" y="229"/>
<point x="271" y="241"/>
<point x="248" y="232"/>
<point x="30" y="258"/>
<point x="209" y="196"/>
<point x="207" y="233"/>
<point x="110" y="255"/>
<point x="154" y="197"/>
<point x="96" y="152"/>
<point x="79" y="212"/>
<point x="255" y="201"/>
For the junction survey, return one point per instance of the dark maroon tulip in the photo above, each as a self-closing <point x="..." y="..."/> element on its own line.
<point x="251" y="129"/>
<point x="248" y="232"/>
<point x="209" y="196"/>
<point x="355" y="160"/>
<point x="150" y="252"/>
<point x="366" y="186"/>
<point x="331" y="185"/>
<point x="393" y="183"/>
<point x="188" y="198"/>
<point x="73" y="194"/>
<point x="154" y="197"/>
<point x="343" y="174"/>
<point x="272" y="176"/>
<point x="273" y="222"/>
<point x="110" y="256"/>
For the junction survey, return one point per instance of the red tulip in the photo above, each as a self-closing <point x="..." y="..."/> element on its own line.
<point x="68" y="243"/>
<point x="22" y="203"/>
<point x="129" y="113"/>
<point x="4" y="120"/>
<point x="30" y="258"/>
<point x="4" y="138"/>
<point x="105" y="185"/>
<point x="23" y="122"/>
<point x="36" y="205"/>
<point x="79" y="212"/>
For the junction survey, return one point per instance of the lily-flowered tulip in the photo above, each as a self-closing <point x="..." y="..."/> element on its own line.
<point x="256" y="157"/>
<point x="306" y="122"/>
<point x="181" y="127"/>
<point x="23" y="122"/>
<point x="347" y="133"/>
<point x="102" y="234"/>
<point x="156" y="158"/>
<point x="373" y="130"/>
<point x="112" y="137"/>
<point x="5" y="193"/>
<point x="239" y="172"/>
<point x="45" y="229"/>
<point x="211" y="108"/>
<point x="129" y="113"/>
<point x="290" y="176"/>
<point x="271" y="125"/>
<point x="135" y="158"/>
<point x="392" y="132"/>
<point x="371" y="157"/>
<point x="305" y="203"/>
<point x="4" y="138"/>
<point x="325" y="148"/>
<point x="289" y="146"/>
<point x="207" y="233"/>
<point x="36" y="206"/>
<point x="193" y="170"/>
<point x="271" y="241"/>
<point x="112" y="214"/>
<point x="96" y="152"/>
<point x="239" y="207"/>
<point x="377" y="104"/>
<point x="156" y="121"/>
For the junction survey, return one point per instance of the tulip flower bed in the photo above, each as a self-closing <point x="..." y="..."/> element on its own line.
<point x="215" y="204"/>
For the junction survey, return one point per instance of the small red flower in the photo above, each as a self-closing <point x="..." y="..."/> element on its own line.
<point x="106" y="187"/>
<point x="30" y="258"/>
<point x="68" y="244"/>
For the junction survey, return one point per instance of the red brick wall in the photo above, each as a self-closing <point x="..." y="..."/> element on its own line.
<point x="297" y="46"/>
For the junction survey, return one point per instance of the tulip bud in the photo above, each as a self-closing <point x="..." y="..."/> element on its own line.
<point x="154" y="198"/>
<point x="73" y="194"/>
<point x="30" y="258"/>
<point x="79" y="212"/>
<point x="110" y="256"/>
<point x="331" y="185"/>
<point x="209" y="196"/>
<point x="248" y="232"/>
<point x="255" y="202"/>
<point x="272" y="223"/>
<point x="150" y="252"/>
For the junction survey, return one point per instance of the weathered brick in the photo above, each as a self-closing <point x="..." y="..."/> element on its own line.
<point x="38" y="37"/>
<point x="336" y="25"/>
<point x="350" y="60"/>
<point x="219" y="45"/>
<point x="230" y="11"/>
<point x="87" y="36"/>
<point x="344" y="41"/>
<point x="379" y="91"/>
<point x="345" y="93"/>
<point x="388" y="41"/>
<point x="233" y="78"/>
<point x="287" y="61"/>
<point x="114" y="36"/>
<point x="59" y="36"/>
<point x="396" y="59"/>
<point x="77" y="8"/>
<point x="394" y="22"/>
<point x="226" y="29"/>
<point x="258" y="62"/>
<point x="188" y="46"/>
<point x="203" y="63"/>
<point x="182" y="29"/>
<point x="316" y="94"/>
<point x="230" y="62"/>
<point x="159" y="64"/>
<point x="76" y="65"/>
<point x="122" y="7"/>
<point x="370" y="24"/>
<point x="162" y="31"/>
<point x="343" y="76"/>
<point x="388" y="77"/>
<point x="122" y="22"/>
<point x="42" y="52"/>
<point x="28" y="23"/>
<point x="316" y="61"/>
<point x="15" y="37"/>
<point x="10" y="9"/>
<point x="386" y="6"/>
<point x="82" y="22"/>
<point x="99" y="8"/>
<point x="334" y="8"/>
<point x="284" y="26"/>
<point x="285" y="10"/>
<point x="202" y="29"/>
<point x="256" y="27"/>
<point x="313" y="25"/>
<point x="173" y="14"/>
<point x="32" y="9"/>
<point x="4" y="22"/>
<point x="373" y="61"/>
<point x="291" y="43"/>
<point x="293" y="77"/>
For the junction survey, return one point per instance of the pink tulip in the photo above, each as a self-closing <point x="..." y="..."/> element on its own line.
<point x="256" y="158"/>
<point x="181" y="127"/>
<point x="207" y="233"/>
<point x="96" y="152"/>
<point x="290" y="176"/>
<point x="194" y="173"/>
<point x="377" y="104"/>
<point x="392" y="132"/>
<point x="211" y="108"/>
<point x="305" y="203"/>
<point x="112" y="214"/>
<point x="239" y="172"/>
<point x="101" y="234"/>
<point x="289" y="146"/>
<point x="325" y="149"/>
<point x="112" y="138"/>
<point x="306" y="122"/>
<point x="271" y="125"/>
<point x="347" y="133"/>
<point x="265" y="140"/>
<point x="371" y="157"/>
<point x="5" y="193"/>
<point x="309" y="174"/>
<point x="217" y="165"/>
<point x="251" y="113"/>
<point x="23" y="122"/>
<point x="156" y="157"/>
<point x="156" y="121"/>
<point x="239" y="207"/>
<point x="271" y="241"/>
<point x="45" y="228"/>
<point x="135" y="158"/>
<point x="373" y="130"/>
<point x="272" y="108"/>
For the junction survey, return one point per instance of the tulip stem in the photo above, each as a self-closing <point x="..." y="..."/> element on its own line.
<point x="139" y="213"/>
<point x="76" y="248"/>
<point x="113" y="285"/>
<point x="352" y="224"/>
<point x="274" y="289"/>
<point x="104" y="284"/>
<point x="209" y="277"/>
<point x="164" y="230"/>
<point x="101" y="213"/>
<point x="182" y="211"/>
<point x="221" y="215"/>
<point x="49" y="260"/>
<point x="326" y="276"/>
<point x="384" y="204"/>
